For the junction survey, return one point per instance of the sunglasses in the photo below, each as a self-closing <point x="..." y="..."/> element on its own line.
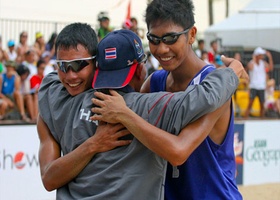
<point x="76" y="65"/>
<point x="168" y="39"/>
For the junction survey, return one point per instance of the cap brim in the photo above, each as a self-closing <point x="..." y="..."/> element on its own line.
<point x="113" y="79"/>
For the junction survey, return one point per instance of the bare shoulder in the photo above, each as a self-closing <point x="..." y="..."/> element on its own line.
<point x="146" y="85"/>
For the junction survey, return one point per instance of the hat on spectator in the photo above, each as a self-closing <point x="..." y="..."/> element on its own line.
<point x="11" y="43"/>
<point x="39" y="35"/>
<point x="45" y="54"/>
<point x="11" y="63"/>
<point x="218" y="60"/>
<point x="259" y="51"/>
<point x="118" y="55"/>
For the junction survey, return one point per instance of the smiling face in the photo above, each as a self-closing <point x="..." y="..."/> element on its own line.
<point x="76" y="82"/>
<point x="170" y="56"/>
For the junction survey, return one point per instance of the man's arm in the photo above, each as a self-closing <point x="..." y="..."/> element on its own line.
<point x="57" y="171"/>
<point x="174" y="148"/>
<point x="270" y="64"/>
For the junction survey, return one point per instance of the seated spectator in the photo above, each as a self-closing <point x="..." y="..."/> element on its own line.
<point x="12" y="54"/>
<point x="271" y="104"/>
<point x="204" y="57"/>
<point x="39" y="45"/>
<point x="4" y="104"/>
<point x="22" y="47"/>
<point x="200" y="49"/>
<point x="50" y="63"/>
<point x="29" y="61"/>
<point x="10" y="85"/>
<point x="50" y="46"/>
<point x="3" y="57"/>
<point x="26" y="92"/>
<point x="213" y="51"/>
<point x="218" y="61"/>
<point x="35" y="82"/>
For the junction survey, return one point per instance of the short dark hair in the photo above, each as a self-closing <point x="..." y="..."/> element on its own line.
<point x="40" y="62"/>
<point x="180" y="12"/>
<point x="77" y="33"/>
<point x="22" y="69"/>
<point x="213" y="42"/>
<point x="201" y="41"/>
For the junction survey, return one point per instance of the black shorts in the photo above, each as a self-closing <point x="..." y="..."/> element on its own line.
<point x="257" y="93"/>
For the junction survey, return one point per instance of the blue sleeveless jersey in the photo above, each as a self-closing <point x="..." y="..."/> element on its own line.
<point x="209" y="173"/>
<point x="8" y="84"/>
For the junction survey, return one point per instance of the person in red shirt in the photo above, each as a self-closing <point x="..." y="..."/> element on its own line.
<point x="213" y="51"/>
<point x="36" y="79"/>
<point x="35" y="82"/>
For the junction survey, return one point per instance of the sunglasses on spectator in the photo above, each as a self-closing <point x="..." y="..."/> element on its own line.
<point x="168" y="39"/>
<point x="76" y="65"/>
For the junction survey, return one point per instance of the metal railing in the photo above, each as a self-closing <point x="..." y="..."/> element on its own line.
<point x="11" y="29"/>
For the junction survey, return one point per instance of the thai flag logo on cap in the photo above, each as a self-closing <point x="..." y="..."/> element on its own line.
<point x="111" y="53"/>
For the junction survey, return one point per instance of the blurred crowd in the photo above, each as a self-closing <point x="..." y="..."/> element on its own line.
<point x="261" y="87"/>
<point x="22" y="68"/>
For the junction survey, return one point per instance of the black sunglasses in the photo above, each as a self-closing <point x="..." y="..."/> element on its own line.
<point x="76" y="65"/>
<point x="168" y="39"/>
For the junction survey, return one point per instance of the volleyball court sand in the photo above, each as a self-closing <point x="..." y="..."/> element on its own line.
<point x="261" y="192"/>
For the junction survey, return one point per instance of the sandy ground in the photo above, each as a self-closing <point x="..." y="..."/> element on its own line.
<point x="261" y="192"/>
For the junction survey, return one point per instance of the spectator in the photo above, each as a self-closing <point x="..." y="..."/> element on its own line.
<point x="150" y="66"/>
<point x="204" y="57"/>
<point x="50" y="63"/>
<point x="104" y="25"/>
<point x="3" y="57"/>
<point x="271" y="104"/>
<point x="50" y="46"/>
<point x="39" y="45"/>
<point x="218" y="61"/>
<point x="213" y="51"/>
<point x="36" y="79"/>
<point x="29" y="61"/>
<point x="12" y="54"/>
<point x="4" y="104"/>
<point x="200" y="48"/>
<point x="10" y="85"/>
<point x="35" y="82"/>
<point x="22" y="47"/>
<point x="134" y="27"/>
<point x="29" y="101"/>
<point x="258" y="69"/>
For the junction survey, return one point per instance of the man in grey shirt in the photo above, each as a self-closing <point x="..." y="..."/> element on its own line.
<point x="94" y="163"/>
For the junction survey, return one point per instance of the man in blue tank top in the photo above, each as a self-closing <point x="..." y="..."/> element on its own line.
<point x="209" y="172"/>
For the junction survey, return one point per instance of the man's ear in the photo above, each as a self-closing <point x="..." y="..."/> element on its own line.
<point x="192" y="35"/>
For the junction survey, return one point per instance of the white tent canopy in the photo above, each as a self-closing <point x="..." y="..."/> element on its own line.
<point x="256" y="25"/>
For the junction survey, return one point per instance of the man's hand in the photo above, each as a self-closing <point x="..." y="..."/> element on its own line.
<point x="107" y="137"/>
<point x="110" y="107"/>
<point x="236" y="66"/>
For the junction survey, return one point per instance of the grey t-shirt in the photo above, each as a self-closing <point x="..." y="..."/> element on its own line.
<point x="132" y="171"/>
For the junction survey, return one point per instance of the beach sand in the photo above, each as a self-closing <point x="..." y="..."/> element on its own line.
<point x="261" y="192"/>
